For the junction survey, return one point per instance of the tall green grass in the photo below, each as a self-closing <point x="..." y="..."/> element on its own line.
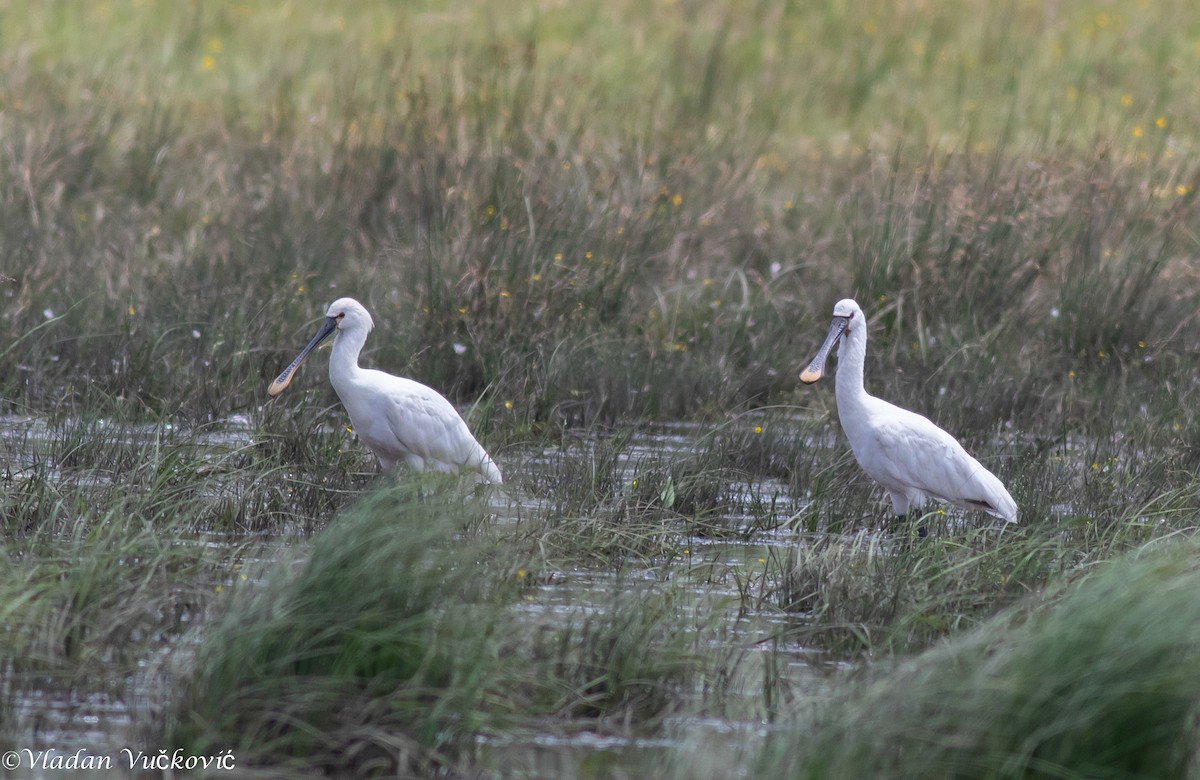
<point x="368" y="657"/>
<point x="393" y="643"/>
<point x="582" y="267"/>
<point x="1095" y="679"/>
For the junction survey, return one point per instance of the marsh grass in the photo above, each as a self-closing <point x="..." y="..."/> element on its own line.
<point x="572" y="221"/>
<point x="107" y="595"/>
<point x="490" y="267"/>
<point x="1094" y="679"/>
<point x="119" y="533"/>
<point x="1082" y="501"/>
<point x="892" y="592"/>
<point x="369" y="656"/>
<point x="391" y="644"/>
<point x="876" y="586"/>
<point x="592" y="473"/>
<point x="628" y="658"/>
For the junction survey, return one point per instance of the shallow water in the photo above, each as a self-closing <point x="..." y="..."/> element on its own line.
<point x="100" y="716"/>
<point x="712" y="566"/>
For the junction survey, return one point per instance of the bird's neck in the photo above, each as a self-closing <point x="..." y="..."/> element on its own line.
<point x="852" y="354"/>
<point x="343" y="358"/>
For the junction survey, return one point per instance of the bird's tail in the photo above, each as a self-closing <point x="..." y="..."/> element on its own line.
<point x="488" y="468"/>
<point x="491" y="471"/>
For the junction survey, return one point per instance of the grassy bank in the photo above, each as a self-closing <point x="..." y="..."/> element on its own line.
<point x="1098" y="684"/>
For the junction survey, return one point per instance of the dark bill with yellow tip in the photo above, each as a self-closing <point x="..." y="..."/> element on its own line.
<point x="283" y="380"/>
<point x="816" y="368"/>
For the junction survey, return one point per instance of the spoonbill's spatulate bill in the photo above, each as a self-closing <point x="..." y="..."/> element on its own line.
<point x="903" y="451"/>
<point x="399" y="419"/>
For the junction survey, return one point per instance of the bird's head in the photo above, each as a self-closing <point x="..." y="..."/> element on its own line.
<point x="850" y="311"/>
<point x="847" y="315"/>
<point x="344" y="314"/>
<point x="349" y="314"/>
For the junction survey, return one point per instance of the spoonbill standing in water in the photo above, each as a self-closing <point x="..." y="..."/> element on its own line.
<point x="399" y="419"/>
<point x="901" y="450"/>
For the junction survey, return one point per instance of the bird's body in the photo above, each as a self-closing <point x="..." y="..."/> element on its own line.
<point x="398" y="419"/>
<point x="906" y="453"/>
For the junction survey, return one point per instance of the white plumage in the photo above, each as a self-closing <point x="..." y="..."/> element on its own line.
<point x="397" y="418"/>
<point x="901" y="450"/>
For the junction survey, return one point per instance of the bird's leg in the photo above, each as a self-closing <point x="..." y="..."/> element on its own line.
<point x="922" y="531"/>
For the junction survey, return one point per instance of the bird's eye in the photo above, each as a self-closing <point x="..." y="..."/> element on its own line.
<point x="341" y="315"/>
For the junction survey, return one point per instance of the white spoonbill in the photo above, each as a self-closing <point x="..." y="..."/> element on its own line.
<point x="399" y="419"/>
<point x="901" y="450"/>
